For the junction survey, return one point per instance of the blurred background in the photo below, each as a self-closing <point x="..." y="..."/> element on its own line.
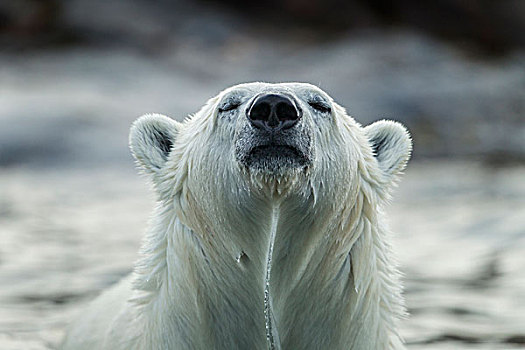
<point x="74" y="74"/>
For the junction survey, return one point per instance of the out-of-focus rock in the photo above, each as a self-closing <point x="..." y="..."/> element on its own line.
<point x="31" y="24"/>
<point x="493" y="26"/>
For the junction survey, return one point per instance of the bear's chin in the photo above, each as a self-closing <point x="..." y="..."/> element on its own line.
<point x="275" y="160"/>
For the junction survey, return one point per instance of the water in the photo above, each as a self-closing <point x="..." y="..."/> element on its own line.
<point x="460" y="236"/>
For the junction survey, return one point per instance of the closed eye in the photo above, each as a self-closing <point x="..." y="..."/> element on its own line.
<point x="229" y="106"/>
<point x="320" y="106"/>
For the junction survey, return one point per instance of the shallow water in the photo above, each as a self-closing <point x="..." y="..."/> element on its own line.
<point x="459" y="234"/>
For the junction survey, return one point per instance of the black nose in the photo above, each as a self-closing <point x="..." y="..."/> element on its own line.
<point x="273" y="112"/>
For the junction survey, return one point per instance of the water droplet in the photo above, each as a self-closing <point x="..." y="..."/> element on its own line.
<point x="241" y="257"/>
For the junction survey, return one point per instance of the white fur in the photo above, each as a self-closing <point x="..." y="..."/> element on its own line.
<point x="232" y="258"/>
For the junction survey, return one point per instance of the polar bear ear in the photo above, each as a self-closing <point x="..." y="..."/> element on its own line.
<point x="391" y="144"/>
<point x="150" y="139"/>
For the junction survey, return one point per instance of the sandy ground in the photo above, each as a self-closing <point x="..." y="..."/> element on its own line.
<point x="460" y="236"/>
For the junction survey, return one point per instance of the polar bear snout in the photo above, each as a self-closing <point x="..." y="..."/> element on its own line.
<point x="273" y="112"/>
<point x="274" y="146"/>
<point x="274" y="139"/>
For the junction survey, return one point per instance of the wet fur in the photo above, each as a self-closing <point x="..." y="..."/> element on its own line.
<point x="201" y="276"/>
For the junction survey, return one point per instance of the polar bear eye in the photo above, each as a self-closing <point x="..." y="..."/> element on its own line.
<point x="320" y="106"/>
<point x="229" y="105"/>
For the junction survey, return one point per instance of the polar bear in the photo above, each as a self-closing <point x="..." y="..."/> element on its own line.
<point x="268" y="234"/>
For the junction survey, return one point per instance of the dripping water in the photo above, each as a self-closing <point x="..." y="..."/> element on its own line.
<point x="271" y="333"/>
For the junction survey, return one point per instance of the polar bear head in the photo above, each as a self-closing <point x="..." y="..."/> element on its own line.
<point x="275" y="175"/>
<point x="261" y="140"/>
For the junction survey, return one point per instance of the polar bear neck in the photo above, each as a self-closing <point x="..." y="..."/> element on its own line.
<point x="303" y="284"/>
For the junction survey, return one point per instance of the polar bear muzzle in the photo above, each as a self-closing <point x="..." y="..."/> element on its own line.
<point x="275" y="140"/>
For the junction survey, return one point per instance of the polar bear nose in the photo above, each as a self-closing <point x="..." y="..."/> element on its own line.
<point x="273" y="112"/>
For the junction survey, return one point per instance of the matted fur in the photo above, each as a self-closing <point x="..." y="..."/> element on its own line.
<point x="241" y="259"/>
